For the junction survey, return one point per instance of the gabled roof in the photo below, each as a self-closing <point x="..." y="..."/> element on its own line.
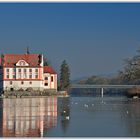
<point x="31" y="59"/>
<point x="49" y="69"/>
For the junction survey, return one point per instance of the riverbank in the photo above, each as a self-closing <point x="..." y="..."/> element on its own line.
<point x="35" y="94"/>
<point x="133" y="92"/>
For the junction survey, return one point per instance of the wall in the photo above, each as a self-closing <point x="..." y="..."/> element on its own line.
<point x="36" y="85"/>
<point x="51" y="85"/>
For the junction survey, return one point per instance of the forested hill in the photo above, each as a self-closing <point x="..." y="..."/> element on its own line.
<point x="101" y="80"/>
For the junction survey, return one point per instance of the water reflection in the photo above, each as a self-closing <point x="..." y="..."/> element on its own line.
<point x="131" y="117"/>
<point x="52" y="117"/>
<point x="65" y="113"/>
<point x="107" y="117"/>
<point x="27" y="117"/>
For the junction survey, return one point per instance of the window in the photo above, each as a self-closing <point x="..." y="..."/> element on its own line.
<point x="19" y="74"/>
<point x="25" y="74"/>
<point x="14" y="76"/>
<point x="36" y="70"/>
<point x="22" y="63"/>
<point x="46" y="84"/>
<point x="7" y="70"/>
<point x="10" y="82"/>
<point x="30" y="70"/>
<point x="30" y="76"/>
<point x="22" y="82"/>
<point x="51" y="78"/>
<point x="7" y="76"/>
<point x="30" y="82"/>
<point x="36" y="76"/>
<point x="46" y="78"/>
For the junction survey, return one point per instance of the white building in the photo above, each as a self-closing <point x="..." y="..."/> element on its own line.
<point x="26" y="71"/>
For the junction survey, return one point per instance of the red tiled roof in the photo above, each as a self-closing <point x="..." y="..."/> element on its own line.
<point x="48" y="69"/>
<point x="12" y="59"/>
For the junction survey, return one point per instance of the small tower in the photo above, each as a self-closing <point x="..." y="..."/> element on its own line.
<point x="27" y="51"/>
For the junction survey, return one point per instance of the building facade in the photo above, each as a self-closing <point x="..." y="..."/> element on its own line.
<point x="26" y="71"/>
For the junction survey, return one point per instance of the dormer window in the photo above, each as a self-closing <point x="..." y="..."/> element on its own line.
<point x="22" y="63"/>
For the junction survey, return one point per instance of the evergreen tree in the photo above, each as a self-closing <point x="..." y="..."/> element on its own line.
<point x="45" y="61"/>
<point x="64" y="76"/>
<point x="2" y="59"/>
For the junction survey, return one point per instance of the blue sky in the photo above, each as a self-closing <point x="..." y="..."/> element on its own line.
<point x="94" y="38"/>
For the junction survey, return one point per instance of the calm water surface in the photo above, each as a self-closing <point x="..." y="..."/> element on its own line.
<point x="70" y="117"/>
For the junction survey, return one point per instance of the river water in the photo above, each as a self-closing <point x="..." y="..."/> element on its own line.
<point x="70" y="117"/>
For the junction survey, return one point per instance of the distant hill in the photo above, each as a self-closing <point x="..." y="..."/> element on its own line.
<point x="98" y="79"/>
<point x="86" y="77"/>
<point x="78" y="79"/>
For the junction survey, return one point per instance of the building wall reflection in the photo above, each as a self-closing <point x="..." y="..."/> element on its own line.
<point x="28" y="117"/>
